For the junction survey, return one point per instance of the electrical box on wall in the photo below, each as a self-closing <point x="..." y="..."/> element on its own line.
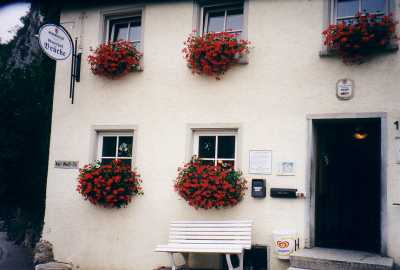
<point x="283" y="193"/>
<point x="258" y="189"/>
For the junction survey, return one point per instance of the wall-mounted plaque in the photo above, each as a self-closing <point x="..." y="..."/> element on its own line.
<point x="286" y="168"/>
<point x="66" y="164"/>
<point x="260" y="162"/>
<point x="345" y="89"/>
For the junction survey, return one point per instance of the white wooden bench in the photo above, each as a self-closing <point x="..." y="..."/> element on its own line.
<point x="230" y="237"/>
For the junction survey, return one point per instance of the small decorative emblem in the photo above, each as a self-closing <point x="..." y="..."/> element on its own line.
<point x="282" y="244"/>
<point x="66" y="164"/>
<point x="345" y="89"/>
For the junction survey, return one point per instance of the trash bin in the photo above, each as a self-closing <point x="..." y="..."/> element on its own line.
<point x="285" y="243"/>
<point x="255" y="258"/>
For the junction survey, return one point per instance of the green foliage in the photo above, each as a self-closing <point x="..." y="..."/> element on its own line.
<point x="26" y="93"/>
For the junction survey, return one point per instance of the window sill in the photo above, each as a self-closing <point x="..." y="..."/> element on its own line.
<point x="325" y="52"/>
<point x="244" y="60"/>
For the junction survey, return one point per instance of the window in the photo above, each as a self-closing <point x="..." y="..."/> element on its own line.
<point x="125" y="28"/>
<point x="344" y="10"/>
<point x="212" y="147"/>
<point x="115" y="145"/>
<point x="220" y="18"/>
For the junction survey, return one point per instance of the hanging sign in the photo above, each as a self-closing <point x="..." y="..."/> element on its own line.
<point x="344" y="89"/>
<point x="57" y="44"/>
<point x="55" y="41"/>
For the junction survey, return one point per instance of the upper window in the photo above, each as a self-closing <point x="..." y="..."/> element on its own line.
<point x="214" y="147"/>
<point x="125" y="28"/>
<point x="345" y="10"/>
<point x="223" y="18"/>
<point x="115" y="145"/>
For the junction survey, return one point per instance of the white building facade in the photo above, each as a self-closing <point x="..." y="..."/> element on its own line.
<point x="283" y="100"/>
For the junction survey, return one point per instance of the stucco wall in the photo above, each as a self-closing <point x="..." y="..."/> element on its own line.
<point x="268" y="100"/>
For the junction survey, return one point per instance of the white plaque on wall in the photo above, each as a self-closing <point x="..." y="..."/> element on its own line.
<point x="344" y="89"/>
<point x="260" y="162"/>
<point x="287" y="168"/>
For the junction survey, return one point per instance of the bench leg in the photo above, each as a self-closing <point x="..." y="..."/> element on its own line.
<point x="173" y="266"/>
<point x="186" y="258"/>
<point x="240" y="261"/>
<point x="229" y="262"/>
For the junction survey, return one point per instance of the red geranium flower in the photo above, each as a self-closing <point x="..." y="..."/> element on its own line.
<point x="214" y="53"/>
<point x="355" y="40"/>
<point x="109" y="185"/>
<point x="208" y="186"/>
<point x="115" y="59"/>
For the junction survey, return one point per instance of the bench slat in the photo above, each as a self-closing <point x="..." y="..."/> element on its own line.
<point x="211" y="221"/>
<point x="173" y="233"/>
<point x="207" y="225"/>
<point x="212" y="229"/>
<point x="230" y="249"/>
<point x="211" y="242"/>
<point x="217" y="237"/>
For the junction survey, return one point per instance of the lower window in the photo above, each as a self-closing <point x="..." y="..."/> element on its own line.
<point x="215" y="147"/>
<point x="115" y="145"/>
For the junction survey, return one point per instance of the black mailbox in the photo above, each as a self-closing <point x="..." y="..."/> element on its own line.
<point x="283" y="192"/>
<point x="258" y="189"/>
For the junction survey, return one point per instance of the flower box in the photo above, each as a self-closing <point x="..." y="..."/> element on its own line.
<point x="355" y="41"/>
<point x="111" y="185"/>
<point x="213" y="53"/>
<point x="115" y="59"/>
<point x="208" y="186"/>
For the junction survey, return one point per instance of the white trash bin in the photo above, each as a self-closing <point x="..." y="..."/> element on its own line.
<point x="285" y="243"/>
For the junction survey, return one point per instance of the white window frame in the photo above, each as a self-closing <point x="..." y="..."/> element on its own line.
<point x="127" y="19"/>
<point x="335" y="19"/>
<point x="121" y="12"/>
<point x="206" y="9"/>
<point x="216" y="133"/>
<point x="200" y="7"/>
<point x="102" y="134"/>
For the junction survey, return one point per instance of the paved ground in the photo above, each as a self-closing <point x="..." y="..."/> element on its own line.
<point x="13" y="257"/>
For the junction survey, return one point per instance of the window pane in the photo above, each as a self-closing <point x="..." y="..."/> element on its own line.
<point x="134" y="31"/>
<point x="106" y="161"/>
<point x="234" y="20"/>
<point x="120" y="31"/>
<point x="206" y="146"/>
<point x="373" y="6"/>
<point x="226" y="163"/>
<point x="125" y="146"/>
<point x="208" y="162"/>
<point x="226" y="147"/>
<point x="127" y="162"/>
<point x="216" y="21"/>
<point x="346" y="8"/>
<point x="347" y="21"/>
<point x="109" y="145"/>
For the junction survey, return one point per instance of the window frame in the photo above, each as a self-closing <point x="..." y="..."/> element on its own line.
<point x="333" y="11"/>
<point x="122" y="12"/>
<point x="126" y="19"/>
<point x="215" y="133"/>
<point x="328" y="11"/>
<point x="201" y="5"/>
<point x="206" y="9"/>
<point x="114" y="133"/>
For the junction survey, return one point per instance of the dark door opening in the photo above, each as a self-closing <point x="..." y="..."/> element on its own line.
<point x="347" y="188"/>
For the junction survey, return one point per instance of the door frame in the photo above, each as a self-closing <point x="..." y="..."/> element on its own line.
<point x="311" y="172"/>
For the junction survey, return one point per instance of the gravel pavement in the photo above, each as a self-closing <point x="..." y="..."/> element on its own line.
<point x="13" y="257"/>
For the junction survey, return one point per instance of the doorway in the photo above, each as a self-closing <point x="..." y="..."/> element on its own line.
<point x="348" y="183"/>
